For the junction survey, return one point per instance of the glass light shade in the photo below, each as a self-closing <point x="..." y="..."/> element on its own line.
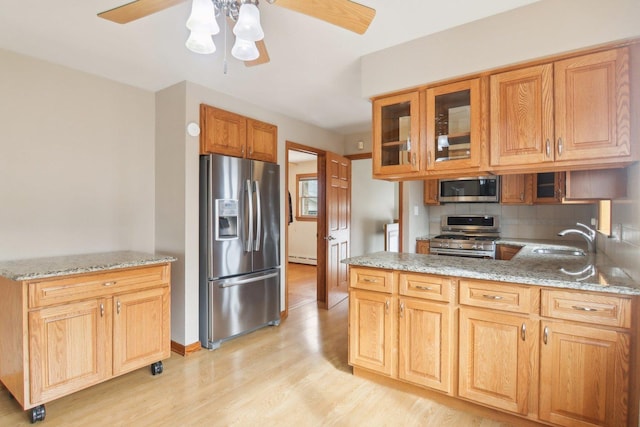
<point x="203" y="17"/>
<point x="244" y="50"/>
<point x="248" y="26"/>
<point x="200" y="42"/>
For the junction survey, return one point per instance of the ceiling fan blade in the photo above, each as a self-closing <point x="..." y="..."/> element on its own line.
<point x="137" y="9"/>
<point x="343" y="13"/>
<point x="264" y="55"/>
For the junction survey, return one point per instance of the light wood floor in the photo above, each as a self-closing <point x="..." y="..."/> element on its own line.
<point x="301" y="284"/>
<point x="295" y="374"/>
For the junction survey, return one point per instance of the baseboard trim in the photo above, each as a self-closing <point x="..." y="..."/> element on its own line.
<point x="183" y="350"/>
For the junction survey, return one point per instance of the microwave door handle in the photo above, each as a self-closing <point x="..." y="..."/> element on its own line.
<point x="258" y="216"/>
<point x="249" y="242"/>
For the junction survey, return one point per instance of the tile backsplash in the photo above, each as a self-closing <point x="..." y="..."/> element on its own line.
<point x="524" y="222"/>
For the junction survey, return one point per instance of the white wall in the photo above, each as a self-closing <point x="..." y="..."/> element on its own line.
<point x="77" y="162"/>
<point x="415" y="215"/>
<point x="177" y="164"/>
<point x="302" y="234"/>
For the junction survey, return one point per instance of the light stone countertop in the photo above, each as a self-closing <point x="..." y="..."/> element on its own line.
<point x="39" y="268"/>
<point x="593" y="272"/>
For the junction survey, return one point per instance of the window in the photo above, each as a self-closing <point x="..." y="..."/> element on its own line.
<point x="307" y="206"/>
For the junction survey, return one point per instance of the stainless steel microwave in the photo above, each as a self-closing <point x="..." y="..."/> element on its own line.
<point x="484" y="189"/>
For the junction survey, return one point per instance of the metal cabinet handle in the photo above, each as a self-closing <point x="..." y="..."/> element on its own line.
<point x="581" y="308"/>
<point x="413" y="159"/>
<point x="428" y="159"/>
<point x="109" y="283"/>
<point x="402" y="309"/>
<point x="545" y="335"/>
<point x="118" y="307"/>
<point x="101" y="310"/>
<point x="366" y="279"/>
<point x="386" y="306"/>
<point x="522" y="196"/>
<point x="493" y="297"/>
<point x="548" y="148"/>
<point x="424" y="288"/>
<point x="559" y="146"/>
<point x="523" y="332"/>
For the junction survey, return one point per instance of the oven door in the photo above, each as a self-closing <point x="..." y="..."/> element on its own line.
<point x="469" y="253"/>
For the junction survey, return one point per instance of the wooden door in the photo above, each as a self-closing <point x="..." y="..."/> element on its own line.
<point x="141" y="329"/>
<point x="262" y="141"/>
<point x="337" y="226"/>
<point x="431" y="189"/>
<point x="222" y="132"/>
<point x="516" y="189"/>
<point x="592" y="106"/>
<point x="583" y="375"/>
<point x="425" y="344"/>
<point x="522" y="116"/>
<point x="372" y="331"/>
<point x="69" y="348"/>
<point x="548" y="187"/>
<point x="498" y="359"/>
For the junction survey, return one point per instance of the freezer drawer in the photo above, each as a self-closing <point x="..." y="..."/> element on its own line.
<point x="241" y="304"/>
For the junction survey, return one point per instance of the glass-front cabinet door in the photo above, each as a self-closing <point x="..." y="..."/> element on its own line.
<point x="453" y="126"/>
<point x="396" y="136"/>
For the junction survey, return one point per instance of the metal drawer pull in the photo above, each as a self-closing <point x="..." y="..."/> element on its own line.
<point x="109" y="283"/>
<point x="581" y="308"/>
<point x="493" y="297"/>
<point x="545" y="335"/>
<point x="523" y="332"/>
<point x="366" y="279"/>
<point x="424" y="288"/>
<point x="101" y="310"/>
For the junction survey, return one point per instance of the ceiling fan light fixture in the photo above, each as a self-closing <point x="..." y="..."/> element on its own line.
<point x="248" y="25"/>
<point x="244" y="50"/>
<point x="200" y="42"/>
<point x="203" y="17"/>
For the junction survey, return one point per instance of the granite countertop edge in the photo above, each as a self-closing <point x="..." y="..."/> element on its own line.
<point x="42" y="268"/>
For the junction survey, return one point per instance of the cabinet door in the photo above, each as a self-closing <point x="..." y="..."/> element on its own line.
<point x="423" y="247"/>
<point x="498" y="359"/>
<point x="69" y="348"/>
<point x="522" y="116"/>
<point x="141" y="329"/>
<point x="425" y="344"/>
<point x="592" y="106"/>
<point x="548" y="187"/>
<point x="431" y="190"/>
<point x="262" y="141"/>
<point x="453" y="126"/>
<point x="371" y="331"/>
<point x="516" y="189"/>
<point x="223" y="132"/>
<point x="396" y="135"/>
<point x="583" y="375"/>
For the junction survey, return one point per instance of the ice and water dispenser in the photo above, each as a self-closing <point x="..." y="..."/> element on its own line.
<point x="226" y="219"/>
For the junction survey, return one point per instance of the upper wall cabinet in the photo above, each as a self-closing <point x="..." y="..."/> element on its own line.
<point x="573" y="112"/>
<point x="396" y="136"/>
<point x="224" y="132"/>
<point x="453" y="123"/>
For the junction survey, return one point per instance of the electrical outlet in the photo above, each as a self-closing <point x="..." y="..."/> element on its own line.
<point x="416" y="210"/>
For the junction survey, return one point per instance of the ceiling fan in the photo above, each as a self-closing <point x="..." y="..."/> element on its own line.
<point x="347" y="14"/>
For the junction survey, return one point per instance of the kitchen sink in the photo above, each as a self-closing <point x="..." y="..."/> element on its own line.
<point x="556" y="251"/>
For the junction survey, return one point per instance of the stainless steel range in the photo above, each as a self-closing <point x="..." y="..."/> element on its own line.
<point x="471" y="236"/>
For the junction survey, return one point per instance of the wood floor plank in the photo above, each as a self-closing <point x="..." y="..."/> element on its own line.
<point x="295" y="374"/>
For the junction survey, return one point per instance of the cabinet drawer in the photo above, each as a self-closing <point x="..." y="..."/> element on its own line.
<point x="518" y="299"/>
<point x="74" y="288"/>
<point x="426" y="286"/>
<point x="372" y="279"/>
<point x="599" y="309"/>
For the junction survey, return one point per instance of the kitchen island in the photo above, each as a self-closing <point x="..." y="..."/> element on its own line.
<point x="70" y="322"/>
<point x="546" y="337"/>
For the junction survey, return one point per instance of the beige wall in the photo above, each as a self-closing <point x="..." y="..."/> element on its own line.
<point x="76" y="164"/>
<point x="302" y="241"/>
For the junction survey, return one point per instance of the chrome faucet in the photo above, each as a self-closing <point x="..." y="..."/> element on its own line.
<point x="589" y="235"/>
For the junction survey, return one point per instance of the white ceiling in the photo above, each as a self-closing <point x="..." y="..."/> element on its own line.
<point x="314" y="73"/>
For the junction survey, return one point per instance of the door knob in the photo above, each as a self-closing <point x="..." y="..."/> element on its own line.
<point x="330" y="238"/>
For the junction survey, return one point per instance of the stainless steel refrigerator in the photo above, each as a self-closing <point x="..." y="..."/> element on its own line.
<point x="239" y="247"/>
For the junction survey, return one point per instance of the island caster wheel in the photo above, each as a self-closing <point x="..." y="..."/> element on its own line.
<point x="156" y="368"/>
<point x="37" y="414"/>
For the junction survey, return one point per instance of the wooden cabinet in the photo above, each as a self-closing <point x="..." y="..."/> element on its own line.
<point x="584" y="358"/>
<point x="224" y="132"/>
<point x="548" y="187"/>
<point x="431" y="192"/>
<point x="505" y="251"/>
<point x="82" y="329"/>
<point x="516" y="189"/>
<point x="423" y="247"/>
<point x="396" y="136"/>
<point x="453" y="121"/>
<point x="567" y="113"/>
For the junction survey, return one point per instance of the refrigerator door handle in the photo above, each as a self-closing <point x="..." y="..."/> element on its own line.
<point x="258" y="216"/>
<point x="231" y="282"/>
<point x="209" y="218"/>
<point x="249" y="242"/>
